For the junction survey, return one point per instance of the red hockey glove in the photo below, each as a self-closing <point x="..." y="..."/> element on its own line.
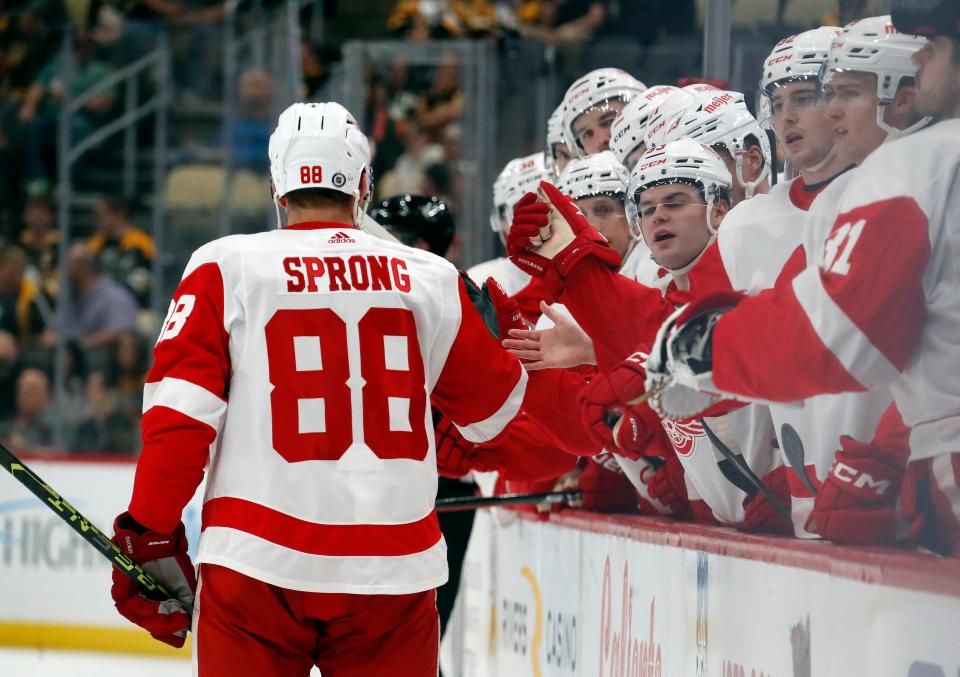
<point x="606" y="398"/>
<point x="457" y="456"/>
<point x="680" y="366"/>
<point x="669" y="487"/>
<point x="549" y="244"/>
<point x="605" y="488"/>
<point x="505" y="307"/>
<point x="163" y="556"/>
<point x="759" y="514"/>
<point x="856" y="503"/>
<point x="531" y="220"/>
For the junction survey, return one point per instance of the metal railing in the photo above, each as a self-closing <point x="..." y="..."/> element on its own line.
<point x="155" y="64"/>
<point x="271" y="44"/>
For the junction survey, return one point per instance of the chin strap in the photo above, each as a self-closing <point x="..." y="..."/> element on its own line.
<point x="823" y="163"/>
<point x="892" y="132"/>
<point x="749" y="188"/>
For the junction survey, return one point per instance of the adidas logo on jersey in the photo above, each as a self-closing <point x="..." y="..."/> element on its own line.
<point x="340" y="238"/>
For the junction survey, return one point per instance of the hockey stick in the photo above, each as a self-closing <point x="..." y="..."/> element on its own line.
<point x="793" y="450"/>
<point x="59" y="505"/>
<point x="460" y="503"/>
<point x="740" y="464"/>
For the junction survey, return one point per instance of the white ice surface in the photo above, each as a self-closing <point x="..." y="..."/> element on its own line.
<point x="37" y="663"/>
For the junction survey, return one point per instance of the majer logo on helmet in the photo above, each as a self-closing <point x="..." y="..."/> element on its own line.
<point x="320" y="145"/>
<point x="722" y="117"/>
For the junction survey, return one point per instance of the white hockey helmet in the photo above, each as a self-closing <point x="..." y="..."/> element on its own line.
<point x="520" y="176"/>
<point x="597" y="174"/>
<point x="682" y="161"/>
<point x="594" y="89"/>
<point x="320" y="145"/>
<point x="722" y="117"/>
<point x="627" y="130"/>
<point x="667" y="110"/>
<point x="793" y="59"/>
<point x="699" y="87"/>
<point x="873" y="45"/>
<point x="554" y="139"/>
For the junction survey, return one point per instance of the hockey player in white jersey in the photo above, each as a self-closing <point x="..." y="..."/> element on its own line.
<point x="873" y="306"/>
<point x="518" y="176"/>
<point x="760" y="235"/>
<point x="682" y="192"/>
<point x="590" y="105"/>
<point x="295" y="370"/>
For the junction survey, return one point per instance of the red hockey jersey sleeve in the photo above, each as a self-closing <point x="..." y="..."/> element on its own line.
<point x="847" y="322"/>
<point x="482" y="385"/>
<point x="183" y="401"/>
<point x="616" y="312"/>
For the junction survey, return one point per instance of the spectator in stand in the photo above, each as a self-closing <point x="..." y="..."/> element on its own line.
<point x="31" y="429"/>
<point x="103" y="429"/>
<point x="130" y="367"/>
<point x="40" y="110"/>
<point x="22" y="308"/>
<point x="255" y="121"/>
<point x="408" y="173"/>
<point x="99" y="310"/>
<point x="40" y="239"/>
<point x="442" y="104"/>
<point x="9" y="373"/>
<point x="25" y="45"/>
<point x="124" y="252"/>
<point x="560" y="21"/>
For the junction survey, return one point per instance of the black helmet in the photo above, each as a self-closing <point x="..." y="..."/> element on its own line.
<point x="417" y="217"/>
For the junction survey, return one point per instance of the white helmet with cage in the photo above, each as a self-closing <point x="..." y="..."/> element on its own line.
<point x="873" y="45"/>
<point x="797" y="57"/>
<point x="320" y="145"/>
<point x="627" y="130"/>
<point x="597" y="174"/>
<point x="520" y="176"/>
<point x="681" y="161"/>
<point x="554" y="139"/>
<point x="722" y="117"/>
<point x="592" y="90"/>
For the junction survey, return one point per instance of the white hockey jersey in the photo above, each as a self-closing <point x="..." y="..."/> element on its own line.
<point x="298" y="366"/>
<point x="877" y="305"/>
<point x="756" y="242"/>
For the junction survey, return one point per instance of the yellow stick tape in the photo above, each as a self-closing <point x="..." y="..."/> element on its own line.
<point x="88" y="638"/>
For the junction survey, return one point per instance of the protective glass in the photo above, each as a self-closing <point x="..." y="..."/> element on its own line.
<point x="596" y="121"/>
<point x="777" y="100"/>
<point x="674" y="203"/>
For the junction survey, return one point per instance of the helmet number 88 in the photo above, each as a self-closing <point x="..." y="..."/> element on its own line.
<point x="311" y="174"/>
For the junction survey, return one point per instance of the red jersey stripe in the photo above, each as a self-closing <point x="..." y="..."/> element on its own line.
<point x="331" y="540"/>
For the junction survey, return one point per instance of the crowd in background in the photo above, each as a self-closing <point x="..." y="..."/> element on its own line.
<point x="414" y="119"/>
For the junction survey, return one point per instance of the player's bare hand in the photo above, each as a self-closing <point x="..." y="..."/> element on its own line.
<point x="563" y="345"/>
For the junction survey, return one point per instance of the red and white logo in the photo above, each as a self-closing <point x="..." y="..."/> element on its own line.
<point x="340" y="238"/>
<point x="683" y="434"/>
